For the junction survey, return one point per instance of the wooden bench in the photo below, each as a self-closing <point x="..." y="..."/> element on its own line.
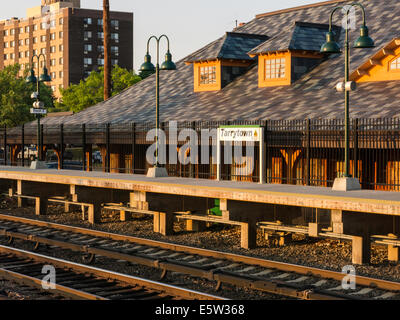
<point x="68" y="203"/>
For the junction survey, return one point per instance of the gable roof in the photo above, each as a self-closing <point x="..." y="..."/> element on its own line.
<point x="304" y="36"/>
<point x="232" y="45"/>
<point x="312" y="96"/>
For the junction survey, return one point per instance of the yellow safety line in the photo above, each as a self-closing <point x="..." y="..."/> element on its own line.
<point x="276" y="193"/>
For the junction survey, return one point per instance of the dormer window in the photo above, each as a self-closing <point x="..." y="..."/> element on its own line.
<point x="207" y="76"/>
<point x="274" y="69"/>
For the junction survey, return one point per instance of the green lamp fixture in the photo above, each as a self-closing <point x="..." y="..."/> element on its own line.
<point x="168" y="64"/>
<point x="364" y="41"/>
<point x="147" y="65"/>
<point x="330" y="46"/>
<point x="45" y="76"/>
<point x="31" y="78"/>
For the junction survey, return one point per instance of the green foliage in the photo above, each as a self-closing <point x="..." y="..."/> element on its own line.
<point x="15" y="97"/>
<point x="90" y="91"/>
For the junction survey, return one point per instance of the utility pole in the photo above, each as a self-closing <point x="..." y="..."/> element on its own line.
<point x="107" y="49"/>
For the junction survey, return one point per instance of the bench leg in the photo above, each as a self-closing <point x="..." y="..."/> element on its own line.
<point x="94" y="214"/>
<point x="83" y="210"/>
<point x="361" y="250"/>
<point x="166" y="223"/>
<point x="393" y="254"/>
<point x="248" y="235"/>
<point x="196" y="226"/>
<point x="22" y="202"/>
<point x="40" y="206"/>
<point x="125" y="216"/>
<point x="67" y="208"/>
<point x="156" y="222"/>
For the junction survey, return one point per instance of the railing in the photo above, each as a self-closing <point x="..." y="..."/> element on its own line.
<point x="304" y="152"/>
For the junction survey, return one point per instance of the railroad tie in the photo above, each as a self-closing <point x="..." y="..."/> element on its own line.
<point x="282" y="276"/>
<point x="301" y="279"/>
<point x="386" y="295"/>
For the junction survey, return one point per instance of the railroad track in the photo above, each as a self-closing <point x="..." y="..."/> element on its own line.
<point x="268" y="276"/>
<point x="78" y="281"/>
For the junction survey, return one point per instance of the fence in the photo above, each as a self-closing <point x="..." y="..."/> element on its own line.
<point x="304" y="152"/>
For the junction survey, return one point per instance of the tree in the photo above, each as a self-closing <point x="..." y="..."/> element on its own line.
<point x="90" y="91"/>
<point x="15" y="97"/>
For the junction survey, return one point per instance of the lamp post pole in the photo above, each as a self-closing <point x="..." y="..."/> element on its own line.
<point x="331" y="47"/>
<point x="148" y="66"/>
<point x="38" y="104"/>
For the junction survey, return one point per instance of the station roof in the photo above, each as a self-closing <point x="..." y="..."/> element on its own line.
<point x="311" y="96"/>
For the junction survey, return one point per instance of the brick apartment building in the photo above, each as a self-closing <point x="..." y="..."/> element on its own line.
<point x="70" y="37"/>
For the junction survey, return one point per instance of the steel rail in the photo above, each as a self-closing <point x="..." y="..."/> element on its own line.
<point x="121" y="279"/>
<point x="208" y="273"/>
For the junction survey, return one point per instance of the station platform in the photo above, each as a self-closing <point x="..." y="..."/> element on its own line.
<point x="366" y="201"/>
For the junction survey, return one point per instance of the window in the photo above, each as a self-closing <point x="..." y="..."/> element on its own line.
<point x="27" y="29"/>
<point x="53" y="62"/>
<point x="53" y="88"/>
<point x="26" y="42"/>
<point x="43" y="25"/>
<point x="12" y="44"/>
<point x="395" y="64"/>
<point x="12" y="32"/>
<point x="12" y="56"/>
<point x="99" y="22"/>
<point x="100" y="62"/>
<point x="53" y="36"/>
<point x="208" y="75"/>
<point x="6" y="57"/>
<point x="114" y="62"/>
<point x="21" y="42"/>
<point x="21" y="30"/>
<point x="88" y="34"/>
<point x="35" y="52"/>
<point x="52" y="49"/>
<point x="35" y="40"/>
<point x="43" y="38"/>
<point x="100" y="35"/>
<point x="115" y="23"/>
<point x="35" y="27"/>
<point x="5" y="44"/>
<point x="275" y="68"/>
<point x="43" y="51"/>
<point x="6" y="32"/>
<point x="87" y="20"/>
<point x="26" y="54"/>
<point x="52" y="23"/>
<point x="100" y="48"/>
<point x="61" y="74"/>
<point x="114" y="49"/>
<point x="88" y="47"/>
<point x="61" y="35"/>
<point x="61" y="21"/>
<point x="87" y="61"/>
<point x="114" y="36"/>
<point x="20" y="54"/>
<point x="53" y="75"/>
<point x="61" y="61"/>
<point x="61" y="48"/>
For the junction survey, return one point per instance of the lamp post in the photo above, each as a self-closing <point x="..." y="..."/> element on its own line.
<point x="347" y="183"/>
<point x="147" y="66"/>
<point x="38" y="106"/>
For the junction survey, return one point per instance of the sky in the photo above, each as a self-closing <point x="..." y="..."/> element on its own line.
<point x="189" y="24"/>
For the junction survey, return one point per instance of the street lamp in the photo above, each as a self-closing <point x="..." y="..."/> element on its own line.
<point x="38" y="106"/>
<point x="347" y="183"/>
<point x="147" y="66"/>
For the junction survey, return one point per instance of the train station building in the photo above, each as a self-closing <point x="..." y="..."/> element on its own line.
<point x="267" y="72"/>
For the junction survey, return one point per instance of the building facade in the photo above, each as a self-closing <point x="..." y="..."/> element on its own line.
<point x="70" y="37"/>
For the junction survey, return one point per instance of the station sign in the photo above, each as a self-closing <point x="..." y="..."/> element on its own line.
<point x="240" y="133"/>
<point x="38" y="111"/>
